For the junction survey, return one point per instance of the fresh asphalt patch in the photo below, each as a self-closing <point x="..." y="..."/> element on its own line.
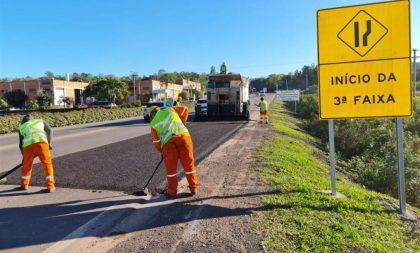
<point x="127" y="165"/>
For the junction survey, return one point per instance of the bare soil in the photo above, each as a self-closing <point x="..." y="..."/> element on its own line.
<point x="219" y="218"/>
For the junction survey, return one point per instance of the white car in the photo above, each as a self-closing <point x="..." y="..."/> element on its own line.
<point x="161" y="104"/>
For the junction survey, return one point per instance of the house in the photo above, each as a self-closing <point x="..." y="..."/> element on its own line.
<point x="59" y="89"/>
<point x="146" y="89"/>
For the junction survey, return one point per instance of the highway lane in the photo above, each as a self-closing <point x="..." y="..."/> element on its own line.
<point x="126" y="165"/>
<point x="67" y="140"/>
<point x="72" y="139"/>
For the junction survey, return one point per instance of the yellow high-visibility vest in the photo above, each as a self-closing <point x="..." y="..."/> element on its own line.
<point x="263" y="106"/>
<point x="167" y="124"/>
<point x="33" y="132"/>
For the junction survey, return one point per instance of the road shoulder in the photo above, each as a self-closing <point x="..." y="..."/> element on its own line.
<point x="219" y="218"/>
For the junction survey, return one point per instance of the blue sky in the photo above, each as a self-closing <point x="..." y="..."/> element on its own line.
<point x="254" y="37"/>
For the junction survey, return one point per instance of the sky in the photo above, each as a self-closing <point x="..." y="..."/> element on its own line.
<point x="254" y="37"/>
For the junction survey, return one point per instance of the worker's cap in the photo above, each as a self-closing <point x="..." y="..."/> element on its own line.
<point x="152" y="109"/>
<point x="26" y="118"/>
<point x="262" y="98"/>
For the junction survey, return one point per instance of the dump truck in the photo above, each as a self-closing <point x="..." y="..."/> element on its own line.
<point x="227" y="98"/>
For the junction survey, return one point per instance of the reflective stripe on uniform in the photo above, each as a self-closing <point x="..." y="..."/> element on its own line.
<point x="172" y="175"/>
<point x="156" y="141"/>
<point x="183" y="111"/>
<point x="49" y="177"/>
<point x="190" y="172"/>
<point x="26" y="177"/>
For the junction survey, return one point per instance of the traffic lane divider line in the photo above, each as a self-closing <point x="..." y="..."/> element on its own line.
<point x="60" y="138"/>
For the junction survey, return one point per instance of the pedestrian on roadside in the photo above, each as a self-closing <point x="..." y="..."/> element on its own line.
<point x="172" y="139"/>
<point x="263" y="105"/>
<point x="35" y="141"/>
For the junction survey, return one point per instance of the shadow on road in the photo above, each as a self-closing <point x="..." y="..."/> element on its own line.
<point x="35" y="225"/>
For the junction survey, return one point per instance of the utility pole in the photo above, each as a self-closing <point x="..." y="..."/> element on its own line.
<point x="134" y="74"/>
<point x="307" y="83"/>
<point x="287" y="86"/>
<point x="415" y="74"/>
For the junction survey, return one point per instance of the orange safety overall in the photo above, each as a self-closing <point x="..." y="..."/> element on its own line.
<point x="178" y="148"/>
<point x="42" y="151"/>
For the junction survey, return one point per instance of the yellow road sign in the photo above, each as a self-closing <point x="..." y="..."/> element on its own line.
<point x="365" y="89"/>
<point x="364" y="61"/>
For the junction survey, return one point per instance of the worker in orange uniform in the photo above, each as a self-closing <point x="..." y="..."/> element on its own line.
<point x="172" y="139"/>
<point x="35" y="141"/>
<point x="263" y="105"/>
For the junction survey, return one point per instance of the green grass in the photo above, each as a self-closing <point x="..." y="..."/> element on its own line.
<point x="301" y="219"/>
<point x="285" y="123"/>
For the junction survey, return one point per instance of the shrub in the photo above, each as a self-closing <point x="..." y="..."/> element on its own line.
<point x="10" y="123"/>
<point x="16" y="98"/>
<point x="367" y="148"/>
<point x="43" y="99"/>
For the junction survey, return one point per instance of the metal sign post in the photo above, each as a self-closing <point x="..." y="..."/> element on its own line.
<point x="332" y="156"/>
<point x="401" y="171"/>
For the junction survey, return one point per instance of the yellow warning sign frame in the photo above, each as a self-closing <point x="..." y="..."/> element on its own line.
<point x="364" y="61"/>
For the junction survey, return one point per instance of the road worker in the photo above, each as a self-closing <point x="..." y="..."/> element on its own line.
<point x="263" y="105"/>
<point x="172" y="139"/>
<point x="35" y="141"/>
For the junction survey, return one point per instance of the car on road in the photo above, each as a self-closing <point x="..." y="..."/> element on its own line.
<point x="201" y="107"/>
<point x="161" y="104"/>
<point x="262" y="94"/>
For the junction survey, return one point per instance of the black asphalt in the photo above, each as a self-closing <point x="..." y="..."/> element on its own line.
<point x="127" y="165"/>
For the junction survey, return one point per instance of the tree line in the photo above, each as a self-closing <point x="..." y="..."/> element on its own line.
<point x="161" y="75"/>
<point x="290" y="81"/>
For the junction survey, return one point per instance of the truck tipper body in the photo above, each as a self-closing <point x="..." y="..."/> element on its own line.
<point x="227" y="97"/>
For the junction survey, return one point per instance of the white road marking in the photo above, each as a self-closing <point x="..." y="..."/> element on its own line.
<point x="61" y="138"/>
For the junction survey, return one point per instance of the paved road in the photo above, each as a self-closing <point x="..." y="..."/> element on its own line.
<point x="117" y="156"/>
<point x="68" y="140"/>
<point x="125" y="165"/>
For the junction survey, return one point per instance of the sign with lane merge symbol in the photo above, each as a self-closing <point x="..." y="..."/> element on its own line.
<point x="364" y="61"/>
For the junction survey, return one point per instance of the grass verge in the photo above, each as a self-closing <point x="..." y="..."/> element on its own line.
<point x="301" y="219"/>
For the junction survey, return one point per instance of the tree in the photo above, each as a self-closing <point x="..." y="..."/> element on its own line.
<point x="203" y="78"/>
<point x="48" y="75"/>
<point x="16" y="98"/>
<point x="196" y="93"/>
<point x="161" y="72"/>
<point x="66" y="101"/>
<point x="110" y="89"/>
<point x="213" y="69"/>
<point x="43" y="98"/>
<point x="183" y="95"/>
<point x="223" y="68"/>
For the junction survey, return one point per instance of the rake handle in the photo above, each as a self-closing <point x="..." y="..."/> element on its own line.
<point x="161" y="160"/>
<point x="10" y="171"/>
